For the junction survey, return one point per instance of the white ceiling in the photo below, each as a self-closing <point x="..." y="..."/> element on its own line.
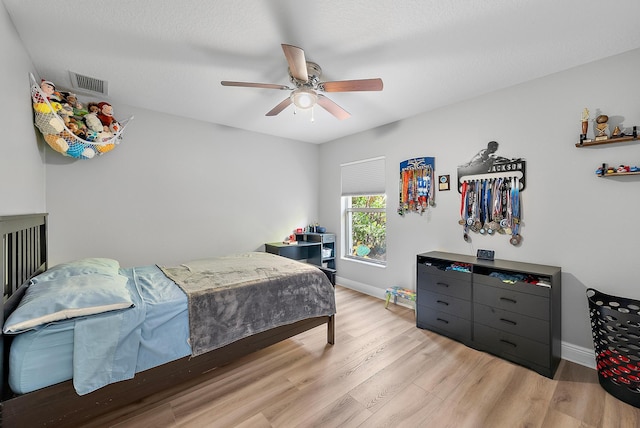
<point x="170" y="56"/>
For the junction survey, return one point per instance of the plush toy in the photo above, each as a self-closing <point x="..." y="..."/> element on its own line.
<point x="93" y="123"/>
<point x="78" y="128"/>
<point x="48" y="89"/>
<point x="106" y="114"/>
<point x="104" y="136"/>
<point x="57" y="143"/>
<point x="91" y="119"/>
<point x="80" y="151"/>
<point x="65" y="113"/>
<point x="49" y="124"/>
<point x="78" y="108"/>
<point x="91" y="136"/>
<point x="46" y="108"/>
<point x="104" y="148"/>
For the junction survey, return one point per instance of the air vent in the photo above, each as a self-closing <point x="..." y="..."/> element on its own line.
<point x="78" y="81"/>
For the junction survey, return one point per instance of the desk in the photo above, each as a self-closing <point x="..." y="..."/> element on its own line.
<point x="308" y="249"/>
<point x="309" y="252"/>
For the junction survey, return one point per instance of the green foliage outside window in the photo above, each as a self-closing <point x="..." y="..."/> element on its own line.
<point x="368" y="227"/>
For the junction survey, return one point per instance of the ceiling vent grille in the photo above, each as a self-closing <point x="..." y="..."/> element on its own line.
<point x="78" y="81"/>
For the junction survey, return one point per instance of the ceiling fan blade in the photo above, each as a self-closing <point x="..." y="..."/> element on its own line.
<point x="255" y="85"/>
<point x="277" y="109"/>
<point x="333" y="108"/>
<point x="352" y="85"/>
<point x="297" y="62"/>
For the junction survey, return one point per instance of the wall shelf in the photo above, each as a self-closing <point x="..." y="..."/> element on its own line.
<point x="617" y="174"/>
<point x="607" y="141"/>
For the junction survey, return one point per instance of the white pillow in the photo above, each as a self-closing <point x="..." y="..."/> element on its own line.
<point x="79" y="267"/>
<point x="68" y="297"/>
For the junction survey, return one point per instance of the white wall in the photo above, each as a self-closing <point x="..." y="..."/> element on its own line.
<point x="572" y="219"/>
<point x="178" y="189"/>
<point x="22" y="181"/>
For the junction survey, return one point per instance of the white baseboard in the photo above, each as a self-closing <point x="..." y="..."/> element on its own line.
<point x="570" y="352"/>
<point x="577" y="354"/>
<point x="363" y="288"/>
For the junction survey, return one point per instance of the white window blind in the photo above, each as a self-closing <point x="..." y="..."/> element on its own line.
<point x="366" y="177"/>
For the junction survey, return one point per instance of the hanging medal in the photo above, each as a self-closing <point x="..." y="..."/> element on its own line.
<point x="463" y="198"/>
<point x="407" y="182"/>
<point x="431" y="185"/>
<point x="489" y="208"/>
<point x="419" y="190"/>
<point x="515" y="237"/>
<point x="509" y="229"/>
<point x="475" y="221"/>
<point x="483" y="208"/>
<point x="504" y="198"/>
<point x="496" y="198"/>
<point x="400" y="211"/>
<point x="410" y="190"/>
<point x="464" y="212"/>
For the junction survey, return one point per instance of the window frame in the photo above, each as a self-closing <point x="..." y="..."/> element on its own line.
<point x="348" y="228"/>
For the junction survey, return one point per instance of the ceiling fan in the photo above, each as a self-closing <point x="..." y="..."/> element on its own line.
<point x="305" y="76"/>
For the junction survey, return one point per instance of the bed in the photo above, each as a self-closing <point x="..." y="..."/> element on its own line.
<point x="162" y="301"/>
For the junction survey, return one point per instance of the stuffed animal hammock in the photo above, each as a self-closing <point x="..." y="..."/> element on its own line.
<point x="71" y="129"/>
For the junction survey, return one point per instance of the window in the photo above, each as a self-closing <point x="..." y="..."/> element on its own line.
<point x="365" y="216"/>
<point x="366" y="231"/>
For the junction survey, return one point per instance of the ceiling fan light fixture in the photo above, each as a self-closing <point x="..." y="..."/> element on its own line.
<point x="304" y="98"/>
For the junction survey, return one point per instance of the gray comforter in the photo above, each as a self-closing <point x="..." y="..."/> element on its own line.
<point x="236" y="296"/>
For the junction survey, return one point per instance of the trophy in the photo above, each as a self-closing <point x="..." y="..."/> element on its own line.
<point x="602" y="127"/>
<point x="585" y="125"/>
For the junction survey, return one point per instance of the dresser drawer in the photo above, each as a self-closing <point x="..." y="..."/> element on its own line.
<point x="447" y="304"/>
<point x="512" y="301"/>
<point x="450" y="283"/>
<point x="512" y="322"/>
<point x="523" y="287"/>
<point x="441" y="322"/>
<point x="505" y="344"/>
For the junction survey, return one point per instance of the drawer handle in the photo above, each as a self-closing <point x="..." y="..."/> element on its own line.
<point x="506" y="299"/>
<point x="442" y="302"/>
<point x="506" y="321"/>
<point x="509" y="343"/>
<point x="441" y="320"/>
<point x="444" y="284"/>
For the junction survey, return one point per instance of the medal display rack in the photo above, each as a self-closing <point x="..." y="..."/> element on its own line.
<point x="417" y="185"/>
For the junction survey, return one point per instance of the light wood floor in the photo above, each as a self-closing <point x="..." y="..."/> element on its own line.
<point x="382" y="372"/>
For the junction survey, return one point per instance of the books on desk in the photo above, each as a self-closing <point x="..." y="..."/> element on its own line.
<point x="290" y="242"/>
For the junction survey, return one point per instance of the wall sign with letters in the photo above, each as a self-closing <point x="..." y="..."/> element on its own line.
<point x="487" y="164"/>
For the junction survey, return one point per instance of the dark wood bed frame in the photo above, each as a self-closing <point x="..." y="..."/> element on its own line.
<point x="24" y="254"/>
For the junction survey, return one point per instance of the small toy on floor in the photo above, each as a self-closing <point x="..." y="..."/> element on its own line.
<point x="397" y="291"/>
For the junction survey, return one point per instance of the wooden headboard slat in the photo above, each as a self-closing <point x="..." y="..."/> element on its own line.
<point x="24" y="254"/>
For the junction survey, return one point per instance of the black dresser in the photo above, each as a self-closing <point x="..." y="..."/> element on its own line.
<point x="510" y="309"/>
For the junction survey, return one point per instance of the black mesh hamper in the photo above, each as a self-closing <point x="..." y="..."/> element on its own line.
<point x="615" y="325"/>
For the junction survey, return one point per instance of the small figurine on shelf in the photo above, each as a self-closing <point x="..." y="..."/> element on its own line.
<point x="616" y="133"/>
<point x="602" y="127"/>
<point x="585" y="125"/>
